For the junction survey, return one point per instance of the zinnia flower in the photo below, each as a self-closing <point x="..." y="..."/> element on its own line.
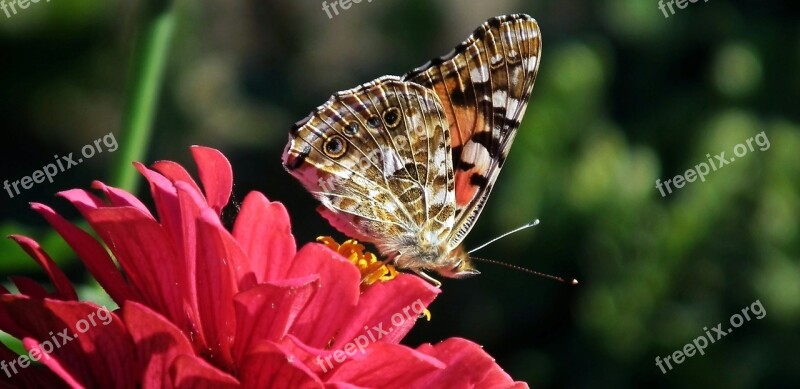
<point x="201" y="306"/>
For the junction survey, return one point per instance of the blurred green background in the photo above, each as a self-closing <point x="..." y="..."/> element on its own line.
<point x="624" y="96"/>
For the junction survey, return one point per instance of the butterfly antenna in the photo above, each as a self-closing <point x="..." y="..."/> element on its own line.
<point x="518" y="229"/>
<point x="522" y="269"/>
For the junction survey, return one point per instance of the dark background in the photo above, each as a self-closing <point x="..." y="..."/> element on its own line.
<point x="624" y="96"/>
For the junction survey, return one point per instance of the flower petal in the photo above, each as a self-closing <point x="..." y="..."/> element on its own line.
<point x="332" y="305"/>
<point x="29" y="287"/>
<point x="237" y="260"/>
<point x="148" y="257"/>
<point x="267" y="311"/>
<point x="216" y="287"/>
<point x="157" y="342"/>
<point x="190" y="371"/>
<point x="271" y="366"/>
<point x="120" y="198"/>
<point x="385" y="365"/>
<point x="393" y="305"/>
<point x="263" y="231"/>
<point x="216" y="175"/>
<point x="82" y="200"/>
<point x="191" y="205"/>
<point x="175" y="173"/>
<point x="468" y="366"/>
<point x="91" y="253"/>
<point x="54" y="365"/>
<point x="30" y="377"/>
<point x="166" y="200"/>
<point x="64" y="289"/>
<point x="94" y="351"/>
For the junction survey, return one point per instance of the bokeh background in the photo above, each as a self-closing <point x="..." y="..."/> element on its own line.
<point x="624" y="96"/>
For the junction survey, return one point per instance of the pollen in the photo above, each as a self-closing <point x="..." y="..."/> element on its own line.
<point x="372" y="270"/>
<point x="427" y="314"/>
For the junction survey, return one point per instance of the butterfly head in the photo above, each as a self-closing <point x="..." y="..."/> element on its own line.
<point x="420" y="256"/>
<point x="457" y="264"/>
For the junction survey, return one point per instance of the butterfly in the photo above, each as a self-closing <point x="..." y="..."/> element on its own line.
<point x="407" y="163"/>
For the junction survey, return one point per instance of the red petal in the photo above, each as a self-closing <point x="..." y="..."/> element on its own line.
<point x="96" y="349"/>
<point x="263" y="231"/>
<point x="189" y="371"/>
<point x="30" y="377"/>
<point x="120" y="198"/>
<point x="166" y="200"/>
<point x="92" y="253"/>
<point x="237" y="260"/>
<point x="270" y="366"/>
<point x="331" y="307"/>
<point x="82" y="200"/>
<point x="216" y="175"/>
<point x="29" y="287"/>
<point x="157" y="342"/>
<point x="191" y="205"/>
<point x="175" y="173"/>
<point x="468" y="366"/>
<point x="306" y="354"/>
<point x="383" y="365"/>
<point x="267" y="311"/>
<point x="148" y="257"/>
<point x="393" y="306"/>
<point x="215" y="287"/>
<point x="55" y="366"/>
<point x="63" y="287"/>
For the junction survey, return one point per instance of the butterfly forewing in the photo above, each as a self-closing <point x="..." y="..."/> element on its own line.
<point x="484" y="86"/>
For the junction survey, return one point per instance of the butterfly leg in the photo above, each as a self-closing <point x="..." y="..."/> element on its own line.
<point x="428" y="278"/>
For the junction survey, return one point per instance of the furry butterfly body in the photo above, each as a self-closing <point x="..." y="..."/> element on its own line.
<point x="408" y="163"/>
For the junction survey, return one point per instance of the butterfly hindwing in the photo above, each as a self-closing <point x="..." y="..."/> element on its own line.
<point x="375" y="156"/>
<point x="484" y="86"/>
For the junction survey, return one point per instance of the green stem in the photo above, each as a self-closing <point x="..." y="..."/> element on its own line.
<point x="149" y="61"/>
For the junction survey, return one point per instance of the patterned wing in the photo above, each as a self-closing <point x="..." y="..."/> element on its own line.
<point x="484" y="86"/>
<point x="375" y="156"/>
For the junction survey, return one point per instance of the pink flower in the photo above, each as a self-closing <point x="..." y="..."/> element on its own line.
<point x="202" y="306"/>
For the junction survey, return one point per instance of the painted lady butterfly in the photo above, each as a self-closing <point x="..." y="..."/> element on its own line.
<point x="407" y="163"/>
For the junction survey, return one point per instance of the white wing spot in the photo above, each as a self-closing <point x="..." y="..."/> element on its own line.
<point x="391" y="161"/>
<point x="477" y="155"/>
<point x="513" y="106"/>
<point x="480" y="74"/>
<point x="499" y="98"/>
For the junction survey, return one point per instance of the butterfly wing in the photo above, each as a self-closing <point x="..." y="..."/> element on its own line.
<point x="375" y="156"/>
<point x="484" y="86"/>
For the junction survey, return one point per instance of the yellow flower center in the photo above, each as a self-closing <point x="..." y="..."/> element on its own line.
<point x="372" y="270"/>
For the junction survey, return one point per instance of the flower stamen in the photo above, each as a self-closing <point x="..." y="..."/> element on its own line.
<point x="372" y="270"/>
